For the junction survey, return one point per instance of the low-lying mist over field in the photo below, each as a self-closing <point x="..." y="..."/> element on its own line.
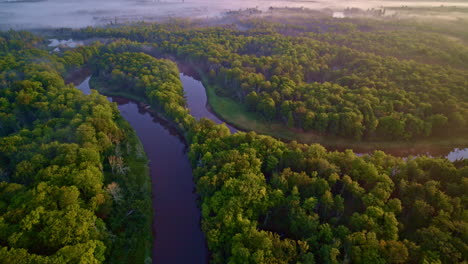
<point x="21" y="14"/>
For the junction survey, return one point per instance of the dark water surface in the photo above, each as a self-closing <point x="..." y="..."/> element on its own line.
<point x="176" y="225"/>
<point x="197" y="101"/>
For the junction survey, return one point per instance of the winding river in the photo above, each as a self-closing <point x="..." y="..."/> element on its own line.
<point x="178" y="237"/>
<point x="176" y="225"/>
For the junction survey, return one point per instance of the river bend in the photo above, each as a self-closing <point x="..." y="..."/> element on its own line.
<point x="176" y="224"/>
<point x="178" y="237"/>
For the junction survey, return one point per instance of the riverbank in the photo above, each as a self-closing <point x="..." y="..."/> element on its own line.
<point x="100" y="85"/>
<point x="237" y="115"/>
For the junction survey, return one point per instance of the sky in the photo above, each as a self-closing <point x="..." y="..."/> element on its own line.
<point x="24" y="14"/>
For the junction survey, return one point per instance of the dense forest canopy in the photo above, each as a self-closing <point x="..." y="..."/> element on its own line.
<point x="349" y="81"/>
<point x="265" y="201"/>
<point x="71" y="168"/>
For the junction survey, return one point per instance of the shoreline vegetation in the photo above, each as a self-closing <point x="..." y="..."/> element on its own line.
<point x="100" y="85"/>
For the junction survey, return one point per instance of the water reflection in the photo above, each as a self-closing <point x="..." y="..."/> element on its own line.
<point x="197" y="100"/>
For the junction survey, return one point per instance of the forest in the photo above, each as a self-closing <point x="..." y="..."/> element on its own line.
<point x="266" y="201"/>
<point x="324" y="82"/>
<point x="72" y="169"/>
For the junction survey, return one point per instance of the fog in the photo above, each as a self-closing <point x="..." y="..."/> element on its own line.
<point x="25" y="14"/>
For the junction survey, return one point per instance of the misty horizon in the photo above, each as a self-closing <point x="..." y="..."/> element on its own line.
<point x="23" y="14"/>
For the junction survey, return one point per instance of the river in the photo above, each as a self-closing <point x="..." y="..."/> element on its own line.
<point x="176" y="224"/>
<point x="178" y="237"/>
<point x="197" y="100"/>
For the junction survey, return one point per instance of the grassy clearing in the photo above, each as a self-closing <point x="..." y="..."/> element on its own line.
<point x="236" y="114"/>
